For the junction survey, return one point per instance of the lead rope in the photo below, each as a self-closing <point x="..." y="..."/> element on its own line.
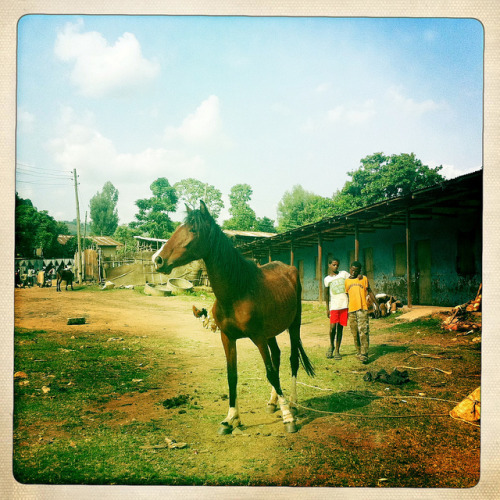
<point x="384" y="416"/>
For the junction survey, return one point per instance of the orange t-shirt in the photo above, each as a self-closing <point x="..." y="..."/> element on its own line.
<point x="357" y="289"/>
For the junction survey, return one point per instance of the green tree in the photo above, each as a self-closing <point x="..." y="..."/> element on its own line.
<point x="191" y="191"/>
<point x="382" y="177"/>
<point x="26" y="227"/>
<point x="35" y="229"/>
<point x="125" y="234"/>
<point x="293" y="208"/>
<point x="103" y="212"/>
<point x="265" y="224"/>
<point x="153" y="218"/>
<point x="242" y="215"/>
<point x="318" y="208"/>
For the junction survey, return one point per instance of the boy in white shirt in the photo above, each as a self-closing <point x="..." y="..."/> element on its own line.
<point x="336" y="306"/>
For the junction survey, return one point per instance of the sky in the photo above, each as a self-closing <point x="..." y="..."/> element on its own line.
<point x="272" y="102"/>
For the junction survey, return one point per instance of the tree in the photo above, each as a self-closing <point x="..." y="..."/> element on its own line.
<point x="382" y="177"/>
<point x="103" y="212"/>
<point x="293" y="208"/>
<point x="153" y="218"/>
<point x="265" y="224"/>
<point x="190" y="191"/>
<point x="242" y="215"/>
<point x="379" y="178"/>
<point x="35" y="230"/>
<point x="125" y="234"/>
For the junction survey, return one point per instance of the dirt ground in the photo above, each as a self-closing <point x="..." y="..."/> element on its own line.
<point x="199" y="354"/>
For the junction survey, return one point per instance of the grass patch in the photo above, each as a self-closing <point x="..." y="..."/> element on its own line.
<point x="97" y="409"/>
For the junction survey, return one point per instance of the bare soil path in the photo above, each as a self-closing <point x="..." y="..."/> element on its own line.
<point x="329" y="449"/>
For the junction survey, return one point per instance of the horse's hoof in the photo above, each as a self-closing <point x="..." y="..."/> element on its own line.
<point x="270" y="408"/>
<point x="224" y="429"/>
<point x="290" y="427"/>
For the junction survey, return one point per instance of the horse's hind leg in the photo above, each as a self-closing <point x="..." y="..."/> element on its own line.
<point x="274" y="380"/>
<point x="275" y="359"/>
<point x="294" y="364"/>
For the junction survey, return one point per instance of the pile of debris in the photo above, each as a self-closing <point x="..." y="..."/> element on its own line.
<point x="465" y="317"/>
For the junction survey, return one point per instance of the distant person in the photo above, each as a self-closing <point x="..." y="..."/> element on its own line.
<point x="31" y="276"/>
<point x="18" y="281"/>
<point x="358" y="290"/>
<point x="336" y="306"/>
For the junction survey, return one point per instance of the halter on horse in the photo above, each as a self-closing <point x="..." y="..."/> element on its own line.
<point x="252" y="302"/>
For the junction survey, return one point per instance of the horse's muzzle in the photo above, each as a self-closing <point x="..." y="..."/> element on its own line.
<point x="162" y="266"/>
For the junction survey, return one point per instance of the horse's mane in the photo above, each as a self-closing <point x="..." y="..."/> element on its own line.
<point x="242" y="271"/>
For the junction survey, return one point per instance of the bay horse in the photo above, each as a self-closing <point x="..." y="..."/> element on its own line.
<point x="64" y="275"/>
<point x="255" y="302"/>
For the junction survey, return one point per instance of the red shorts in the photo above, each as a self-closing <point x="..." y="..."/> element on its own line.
<point x="338" y="316"/>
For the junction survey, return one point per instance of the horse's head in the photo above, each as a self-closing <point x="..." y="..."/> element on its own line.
<point x="188" y="243"/>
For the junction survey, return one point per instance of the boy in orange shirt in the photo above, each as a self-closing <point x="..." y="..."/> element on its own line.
<point x="357" y="290"/>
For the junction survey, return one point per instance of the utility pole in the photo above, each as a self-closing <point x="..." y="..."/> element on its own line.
<point x="78" y="236"/>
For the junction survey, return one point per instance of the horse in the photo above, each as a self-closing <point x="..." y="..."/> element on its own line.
<point x="255" y="302"/>
<point x="64" y="275"/>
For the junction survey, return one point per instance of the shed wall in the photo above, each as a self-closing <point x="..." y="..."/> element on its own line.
<point x="453" y="242"/>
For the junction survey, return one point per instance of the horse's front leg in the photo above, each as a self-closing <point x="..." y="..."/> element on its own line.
<point x="233" y="417"/>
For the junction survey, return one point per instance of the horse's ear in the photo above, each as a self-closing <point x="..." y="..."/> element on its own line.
<point x="203" y="208"/>
<point x="188" y="208"/>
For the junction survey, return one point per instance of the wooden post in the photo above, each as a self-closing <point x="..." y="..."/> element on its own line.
<point x="292" y="256"/>
<point x="78" y="233"/>
<point x="356" y="242"/>
<point x="408" y="258"/>
<point x="270" y="256"/>
<point x="320" y="267"/>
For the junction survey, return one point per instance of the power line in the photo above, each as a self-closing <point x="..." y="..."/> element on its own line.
<point x="42" y="169"/>
<point x="40" y="183"/>
<point x="42" y="175"/>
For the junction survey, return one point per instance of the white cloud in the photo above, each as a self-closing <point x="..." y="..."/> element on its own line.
<point x="98" y="67"/>
<point x="322" y="87"/>
<point x="25" y="121"/>
<point x="354" y="115"/>
<point x="335" y="114"/>
<point x="308" y="126"/>
<point x="281" y="109"/>
<point x="409" y="105"/>
<point x="452" y="171"/>
<point x="96" y="158"/>
<point x="201" y="126"/>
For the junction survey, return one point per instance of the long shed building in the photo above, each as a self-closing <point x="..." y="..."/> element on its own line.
<point x="424" y="248"/>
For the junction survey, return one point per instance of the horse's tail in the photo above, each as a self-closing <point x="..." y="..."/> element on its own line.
<point x="304" y="360"/>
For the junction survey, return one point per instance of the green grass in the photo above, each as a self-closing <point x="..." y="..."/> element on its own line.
<point x="72" y="434"/>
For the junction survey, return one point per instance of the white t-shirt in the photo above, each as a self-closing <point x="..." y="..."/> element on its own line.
<point x="338" y="297"/>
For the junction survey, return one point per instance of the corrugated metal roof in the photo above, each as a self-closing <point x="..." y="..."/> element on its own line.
<point x="64" y="238"/>
<point x="249" y="234"/>
<point x="452" y="197"/>
<point x="144" y="238"/>
<point x="105" y="241"/>
<point x="102" y="241"/>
